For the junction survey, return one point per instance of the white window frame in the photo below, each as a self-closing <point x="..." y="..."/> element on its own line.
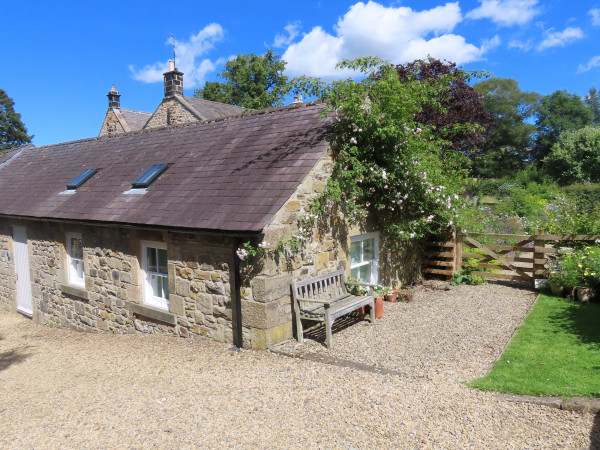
<point x="149" y="295"/>
<point x="72" y="276"/>
<point x="374" y="262"/>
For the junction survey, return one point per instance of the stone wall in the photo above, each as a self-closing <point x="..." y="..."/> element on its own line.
<point x="266" y="284"/>
<point x="111" y="125"/>
<point x="8" y="275"/>
<point x="200" y="281"/>
<point x="170" y="112"/>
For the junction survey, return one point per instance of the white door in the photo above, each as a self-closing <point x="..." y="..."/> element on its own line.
<point x="24" y="303"/>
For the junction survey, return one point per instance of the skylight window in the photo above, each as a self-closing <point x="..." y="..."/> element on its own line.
<point x="145" y="179"/>
<point x="81" y="178"/>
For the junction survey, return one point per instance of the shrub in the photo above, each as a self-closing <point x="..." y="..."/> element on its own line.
<point x="466" y="275"/>
<point x="575" y="158"/>
<point x="565" y="217"/>
<point x="577" y="268"/>
<point x="354" y="289"/>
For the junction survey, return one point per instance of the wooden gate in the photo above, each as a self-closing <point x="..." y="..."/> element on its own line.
<point x="510" y="256"/>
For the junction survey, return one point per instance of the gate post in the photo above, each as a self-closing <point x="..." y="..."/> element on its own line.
<point x="457" y="250"/>
<point x="538" y="243"/>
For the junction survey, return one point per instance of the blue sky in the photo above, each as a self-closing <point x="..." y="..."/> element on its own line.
<point x="59" y="59"/>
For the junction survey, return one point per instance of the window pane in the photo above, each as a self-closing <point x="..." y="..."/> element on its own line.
<point x="79" y="253"/>
<point x="355" y="250"/>
<point x="368" y="250"/>
<point x="153" y="283"/>
<point x="354" y="273"/>
<point x="162" y="261"/>
<point x="151" y="259"/>
<point x="73" y="249"/>
<point x="164" y="288"/>
<point x="79" y="268"/>
<point x="365" y="273"/>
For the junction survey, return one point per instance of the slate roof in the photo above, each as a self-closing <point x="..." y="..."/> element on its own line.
<point x="135" y="119"/>
<point x="210" y="110"/>
<point x="5" y="155"/>
<point x="233" y="174"/>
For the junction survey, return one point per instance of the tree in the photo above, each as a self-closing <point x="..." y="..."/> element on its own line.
<point x="592" y="101"/>
<point x="12" y="131"/>
<point x="388" y="165"/>
<point x="511" y="138"/>
<point x="458" y="116"/>
<point x="557" y="113"/>
<point x="252" y="81"/>
<point x="575" y="157"/>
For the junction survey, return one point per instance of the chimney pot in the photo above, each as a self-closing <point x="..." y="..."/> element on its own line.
<point x="113" y="99"/>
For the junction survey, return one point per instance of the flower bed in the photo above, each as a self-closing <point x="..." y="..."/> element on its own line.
<point x="575" y="268"/>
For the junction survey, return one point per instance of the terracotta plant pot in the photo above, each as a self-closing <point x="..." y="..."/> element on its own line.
<point x="406" y="296"/>
<point x="391" y="297"/>
<point x="583" y="294"/>
<point x="362" y="309"/>
<point x="379" y="307"/>
<point x="557" y="290"/>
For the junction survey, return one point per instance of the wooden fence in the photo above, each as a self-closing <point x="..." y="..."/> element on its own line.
<point x="511" y="256"/>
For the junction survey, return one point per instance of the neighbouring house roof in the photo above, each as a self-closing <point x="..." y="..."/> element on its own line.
<point x="135" y="119"/>
<point x="210" y="110"/>
<point x="232" y="174"/>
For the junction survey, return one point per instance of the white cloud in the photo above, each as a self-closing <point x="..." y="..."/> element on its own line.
<point x="505" y="13"/>
<point x="525" y="46"/>
<point x="593" y="62"/>
<point x="396" y="34"/>
<point x="291" y="32"/>
<point x="560" y="38"/>
<point x="187" y="53"/>
<point x="595" y="13"/>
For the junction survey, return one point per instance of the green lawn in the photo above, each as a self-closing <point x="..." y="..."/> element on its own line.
<point x="556" y="351"/>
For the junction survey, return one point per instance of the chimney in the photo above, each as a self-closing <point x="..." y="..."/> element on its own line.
<point x="297" y="99"/>
<point x="113" y="99"/>
<point x="173" y="81"/>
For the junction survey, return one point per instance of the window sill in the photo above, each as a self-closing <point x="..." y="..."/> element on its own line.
<point x="154" y="313"/>
<point x="75" y="291"/>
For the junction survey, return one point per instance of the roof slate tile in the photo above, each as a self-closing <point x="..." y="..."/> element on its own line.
<point x="231" y="174"/>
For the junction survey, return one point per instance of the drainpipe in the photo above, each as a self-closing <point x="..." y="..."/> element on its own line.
<point x="236" y="312"/>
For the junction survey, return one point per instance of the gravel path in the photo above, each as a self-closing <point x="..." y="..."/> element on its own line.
<point x="61" y="389"/>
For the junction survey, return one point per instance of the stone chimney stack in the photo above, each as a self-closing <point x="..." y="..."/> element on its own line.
<point x="113" y="99"/>
<point x="173" y="81"/>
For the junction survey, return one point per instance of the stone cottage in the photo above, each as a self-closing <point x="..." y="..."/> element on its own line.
<point x="138" y="231"/>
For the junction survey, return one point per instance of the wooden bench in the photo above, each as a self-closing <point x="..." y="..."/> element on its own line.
<point x="324" y="299"/>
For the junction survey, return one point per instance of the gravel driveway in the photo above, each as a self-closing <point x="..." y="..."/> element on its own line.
<point x="62" y="389"/>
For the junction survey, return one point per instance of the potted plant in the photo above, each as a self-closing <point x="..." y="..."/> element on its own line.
<point x="406" y="294"/>
<point x="390" y="295"/>
<point x="379" y="292"/>
<point x="357" y="290"/>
